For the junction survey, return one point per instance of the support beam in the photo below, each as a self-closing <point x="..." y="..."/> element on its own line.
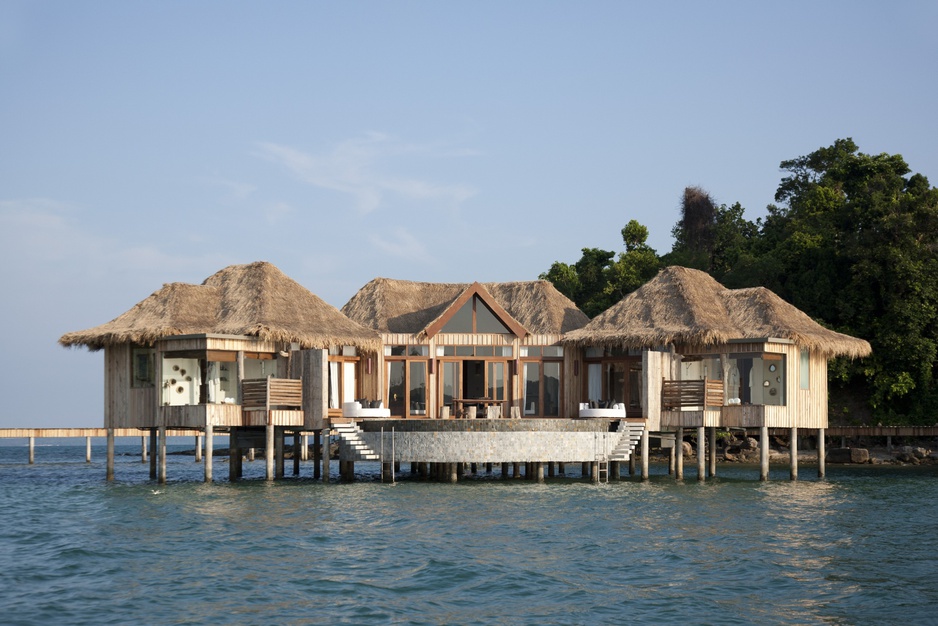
<point x="198" y="448"/>
<point x="161" y="463"/>
<point x="645" y="437"/>
<point x="87" y="449"/>
<point x="317" y="456"/>
<point x="713" y="452"/>
<point x="234" y="456"/>
<point x="110" y="454"/>
<point x="209" y="451"/>
<point x="504" y="471"/>
<point x="298" y="442"/>
<point x="325" y="455"/>
<point x="32" y="449"/>
<point x="539" y="471"/>
<point x="278" y="451"/>
<point x="154" y="452"/>
<point x="701" y="453"/>
<point x="793" y="452"/>
<point x="143" y="449"/>
<point x="679" y="454"/>
<point x="764" y="454"/>
<point x="821" y="453"/>
<point x="269" y="446"/>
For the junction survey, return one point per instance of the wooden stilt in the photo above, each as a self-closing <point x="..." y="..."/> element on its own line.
<point x="561" y="469"/>
<point x="713" y="452"/>
<point x="278" y="451"/>
<point x="821" y="453"/>
<point x="672" y="460"/>
<point x="793" y="452"/>
<point x="317" y="456"/>
<point x="614" y="470"/>
<point x="87" y="449"/>
<point x="209" y="451"/>
<point x="297" y="452"/>
<point x="488" y="468"/>
<point x="304" y="448"/>
<point x="645" y="454"/>
<point x="632" y="463"/>
<point x="516" y="470"/>
<point x="594" y="471"/>
<point x="143" y="449"/>
<point x="764" y="453"/>
<point x="504" y="471"/>
<point x="539" y="471"/>
<point x="701" y="453"/>
<point x="387" y="472"/>
<point x="453" y="474"/>
<point x="198" y="448"/>
<point x="585" y="469"/>
<point x="161" y="444"/>
<point x="269" y="446"/>
<point x="679" y="454"/>
<point x="234" y="456"/>
<point x="110" y="454"/>
<point x="251" y="455"/>
<point x="550" y="469"/>
<point x="325" y="455"/>
<point x="154" y="452"/>
<point x="32" y="450"/>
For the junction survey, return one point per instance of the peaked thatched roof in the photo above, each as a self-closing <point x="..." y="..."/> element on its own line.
<point x="401" y="306"/>
<point x="256" y="300"/>
<point x="685" y="306"/>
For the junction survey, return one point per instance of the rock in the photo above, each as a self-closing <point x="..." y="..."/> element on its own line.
<point x="749" y="444"/>
<point x="848" y="455"/>
<point x="687" y="450"/>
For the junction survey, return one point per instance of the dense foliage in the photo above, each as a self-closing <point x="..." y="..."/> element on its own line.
<point x="853" y="242"/>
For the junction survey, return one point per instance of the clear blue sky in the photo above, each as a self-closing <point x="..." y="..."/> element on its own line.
<point x="150" y="142"/>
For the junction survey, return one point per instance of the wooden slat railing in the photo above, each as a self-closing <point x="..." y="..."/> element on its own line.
<point x="676" y="394"/>
<point x="271" y="393"/>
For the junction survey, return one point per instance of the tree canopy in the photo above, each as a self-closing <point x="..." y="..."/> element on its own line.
<point x="852" y="241"/>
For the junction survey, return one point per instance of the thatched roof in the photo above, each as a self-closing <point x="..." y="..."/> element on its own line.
<point x="688" y="307"/>
<point x="257" y="300"/>
<point x="400" y="306"/>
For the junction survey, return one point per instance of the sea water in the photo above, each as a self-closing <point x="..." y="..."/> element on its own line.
<point x="857" y="547"/>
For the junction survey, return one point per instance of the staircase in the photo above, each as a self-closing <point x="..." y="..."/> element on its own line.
<point x="350" y="435"/>
<point x="630" y="434"/>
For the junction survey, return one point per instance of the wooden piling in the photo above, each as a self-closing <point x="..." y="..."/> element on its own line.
<point x="764" y="453"/>
<point x="32" y="450"/>
<point x="161" y="445"/>
<point x="87" y="449"/>
<point x="269" y="452"/>
<point x="209" y="451"/>
<point x="317" y="456"/>
<point x="143" y="449"/>
<point x="713" y="452"/>
<point x="539" y="471"/>
<point x="679" y="454"/>
<point x="110" y="455"/>
<point x="793" y="454"/>
<point x="297" y="452"/>
<point x="701" y="453"/>
<point x="278" y="452"/>
<point x="504" y="471"/>
<point x="154" y="452"/>
<point x="821" y="453"/>
<point x="198" y="448"/>
<point x="645" y="447"/>
<point x="234" y="456"/>
<point x="325" y="455"/>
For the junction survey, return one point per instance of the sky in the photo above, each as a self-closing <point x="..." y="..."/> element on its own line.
<point x="143" y="143"/>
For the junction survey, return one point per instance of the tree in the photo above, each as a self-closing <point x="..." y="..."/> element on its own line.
<point x="596" y="281"/>
<point x="854" y="245"/>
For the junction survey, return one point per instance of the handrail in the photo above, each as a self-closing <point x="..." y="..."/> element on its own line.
<point x="270" y="393"/>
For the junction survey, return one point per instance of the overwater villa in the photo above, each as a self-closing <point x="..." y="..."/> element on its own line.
<point x="442" y="374"/>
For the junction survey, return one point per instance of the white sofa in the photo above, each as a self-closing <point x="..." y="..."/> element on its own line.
<point x="617" y="411"/>
<point x="355" y="410"/>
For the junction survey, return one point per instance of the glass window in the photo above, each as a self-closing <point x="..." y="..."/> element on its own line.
<point x="418" y="351"/>
<point x="418" y="387"/>
<point x="461" y="322"/>
<point x="465" y="351"/>
<point x="553" y="351"/>
<point x="756" y="379"/>
<point x="450" y="383"/>
<point x="552" y="389"/>
<point x="504" y="351"/>
<point x="485" y="351"/>
<point x="486" y="321"/>
<point x="496" y="388"/>
<point x="805" y="369"/>
<point x="144" y="372"/>
<point x="532" y="388"/>
<point x="397" y="392"/>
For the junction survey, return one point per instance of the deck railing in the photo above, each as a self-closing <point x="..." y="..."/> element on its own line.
<point x="271" y="393"/>
<point x="677" y="394"/>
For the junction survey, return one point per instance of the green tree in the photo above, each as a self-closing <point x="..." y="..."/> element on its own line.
<point x="853" y="243"/>
<point x="599" y="279"/>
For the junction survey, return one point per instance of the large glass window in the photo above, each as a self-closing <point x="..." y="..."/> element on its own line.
<point x="615" y="379"/>
<point x="343" y="383"/>
<point x="756" y="379"/>
<point x="552" y="388"/>
<point x="532" y="388"/>
<point x="407" y="388"/>
<point x="475" y="317"/>
<point x="805" y="369"/>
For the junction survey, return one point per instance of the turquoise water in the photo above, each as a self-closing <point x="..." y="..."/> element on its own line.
<point x="858" y="547"/>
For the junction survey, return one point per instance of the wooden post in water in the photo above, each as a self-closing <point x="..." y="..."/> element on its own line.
<point x="504" y="471"/>
<point x="304" y="450"/>
<point x="453" y="473"/>
<point x="793" y="452"/>
<point x="821" y="453"/>
<point x="701" y="452"/>
<point x="32" y="450"/>
<point x="297" y="452"/>
<point x="679" y="454"/>
<point x="764" y="453"/>
<point x="278" y="451"/>
<point x="198" y="447"/>
<point x="209" y="450"/>
<point x="325" y="455"/>
<point x="539" y="471"/>
<point x="271" y="434"/>
<point x="713" y="452"/>
<point x="87" y="449"/>
<point x="251" y="455"/>
<point x="234" y="455"/>
<point x="143" y="449"/>
<point x="154" y="453"/>
<point x="317" y="456"/>
<point x="645" y="447"/>
<point x="110" y="454"/>
<point x="161" y="444"/>
<point x="516" y="470"/>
